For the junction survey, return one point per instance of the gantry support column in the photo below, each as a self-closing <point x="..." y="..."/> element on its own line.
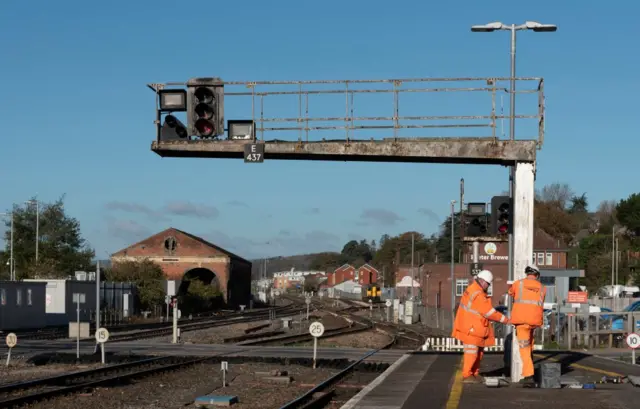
<point x="523" y="233"/>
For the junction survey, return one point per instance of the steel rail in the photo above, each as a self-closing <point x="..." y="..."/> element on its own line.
<point x="308" y="398"/>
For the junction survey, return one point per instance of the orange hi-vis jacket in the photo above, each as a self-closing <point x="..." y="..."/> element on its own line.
<point x="528" y="302"/>
<point x="471" y="325"/>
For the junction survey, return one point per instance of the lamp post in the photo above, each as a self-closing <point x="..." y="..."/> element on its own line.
<point x="539" y="28"/>
<point x="453" y="283"/>
<point x="491" y="27"/>
<point x="11" y="260"/>
<point x="37" y="203"/>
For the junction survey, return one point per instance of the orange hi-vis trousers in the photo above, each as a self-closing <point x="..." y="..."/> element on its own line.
<point x="524" y="333"/>
<point x="471" y="360"/>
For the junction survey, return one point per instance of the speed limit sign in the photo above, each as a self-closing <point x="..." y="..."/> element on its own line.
<point x="12" y="340"/>
<point x="633" y="340"/>
<point x="316" y="329"/>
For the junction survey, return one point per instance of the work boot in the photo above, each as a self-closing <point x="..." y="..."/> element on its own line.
<point x="527" y="381"/>
<point x="472" y="379"/>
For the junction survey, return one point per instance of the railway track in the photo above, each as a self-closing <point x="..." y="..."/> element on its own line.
<point x="321" y="395"/>
<point x="150" y="330"/>
<point x="153" y="333"/>
<point x="21" y="393"/>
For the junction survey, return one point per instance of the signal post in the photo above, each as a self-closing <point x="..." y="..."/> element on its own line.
<point x="505" y="222"/>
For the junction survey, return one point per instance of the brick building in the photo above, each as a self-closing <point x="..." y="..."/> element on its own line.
<point x="182" y="256"/>
<point x="367" y="274"/>
<point x="346" y="272"/>
<point x="435" y="278"/>
<point x="363" y="275"/>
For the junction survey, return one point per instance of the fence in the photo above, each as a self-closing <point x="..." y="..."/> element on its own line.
<point x="437" y="318"/>
<point x="600" y="329"/>
<point x="613" y="303"/>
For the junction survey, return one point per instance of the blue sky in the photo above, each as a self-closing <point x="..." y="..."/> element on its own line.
<point x="77" y="116"/>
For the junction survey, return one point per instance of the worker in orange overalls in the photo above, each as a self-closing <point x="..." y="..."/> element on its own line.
<point x="472" y="326"/>
<point x="527" y="315"/>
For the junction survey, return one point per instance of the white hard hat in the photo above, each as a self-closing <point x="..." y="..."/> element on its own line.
<point x="486" y="275"/>
<point x="532" y="269"/>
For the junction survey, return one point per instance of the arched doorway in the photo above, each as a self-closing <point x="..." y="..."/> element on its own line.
<point x="200" y="291"/>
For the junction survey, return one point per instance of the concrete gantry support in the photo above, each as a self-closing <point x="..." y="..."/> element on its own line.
<point x="487" y="151"/>
<point x="523" y="199"/>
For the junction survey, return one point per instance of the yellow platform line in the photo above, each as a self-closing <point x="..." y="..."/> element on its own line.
<point x="583" y="367"/>
<point x="456" y="390"/>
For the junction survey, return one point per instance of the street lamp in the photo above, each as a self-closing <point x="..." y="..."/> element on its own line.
<point x="11" y="260"/>
<point x="488" y="28"/>
<point x="37" y="203"/>
<point x="529" y="25"/>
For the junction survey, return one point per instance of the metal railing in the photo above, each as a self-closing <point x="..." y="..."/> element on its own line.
<point x="600" y="329"/>
<point x="318" y="106"/>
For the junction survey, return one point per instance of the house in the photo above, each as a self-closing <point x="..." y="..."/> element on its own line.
<point x="549" y="254"/>
<point x="367" y="274"/>
<point x="346" y="272"/>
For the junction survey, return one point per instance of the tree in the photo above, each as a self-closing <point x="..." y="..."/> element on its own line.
<point x="396" y="251"/>
<point x="61" y="247"/>
<point x="594" y="256"/>
<point x="311" y="283"/>
<point x="200" y="296"/>
<point x="556" y="194"/>
<point x="327" y="261"/>
<point x="628" y="213"/>
<point x="555" y="221"/>
<point x="443" y="245"/>
<point x="606" y="216"/>
<point x="148" y="277"/>
<point x="354" y="250"/>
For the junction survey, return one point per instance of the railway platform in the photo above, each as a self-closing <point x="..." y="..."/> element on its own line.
<point x="428" y="379"/>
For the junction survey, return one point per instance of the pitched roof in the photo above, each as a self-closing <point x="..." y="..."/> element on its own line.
<point x="189" y="235"/>
<point x="208" y="243"/>
<point x="369" y="267"/>
<point x="544" y="241"/>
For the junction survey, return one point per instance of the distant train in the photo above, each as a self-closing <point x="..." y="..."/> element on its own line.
<point x="371" y="292"/>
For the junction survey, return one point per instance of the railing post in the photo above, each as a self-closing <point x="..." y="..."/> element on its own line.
<point x="569" y="331"/>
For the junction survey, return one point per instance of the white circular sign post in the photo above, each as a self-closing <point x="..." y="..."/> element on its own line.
<point x="388" y="304"/>
<point x="316" y="329"/>
<point x="102" y="336"/>
<point x="12" y="340"/>
<point x="633" y="341"/>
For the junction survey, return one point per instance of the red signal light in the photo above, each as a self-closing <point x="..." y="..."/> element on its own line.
<point x="502" y="228"/>
<point x="204" y="127"/>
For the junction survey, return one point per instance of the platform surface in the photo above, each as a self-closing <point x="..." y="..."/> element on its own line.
<point x="426" y="380"/>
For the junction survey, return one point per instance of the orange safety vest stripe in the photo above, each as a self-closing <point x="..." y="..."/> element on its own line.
<point x="474" y="313"/>
<point x="528" y="304"/>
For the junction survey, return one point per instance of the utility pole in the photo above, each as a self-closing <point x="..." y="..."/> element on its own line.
<point x="462" y="215"/>
<point x="413" y="273"/>
<point x="11" y="260"/>
<point x="37" y="203"/>
<point x="453" y="281"/>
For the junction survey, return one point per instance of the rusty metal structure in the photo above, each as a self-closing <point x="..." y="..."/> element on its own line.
<point x="348" y="135"/>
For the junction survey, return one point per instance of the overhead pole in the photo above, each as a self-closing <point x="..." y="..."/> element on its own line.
<point x="516" y="364"/>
